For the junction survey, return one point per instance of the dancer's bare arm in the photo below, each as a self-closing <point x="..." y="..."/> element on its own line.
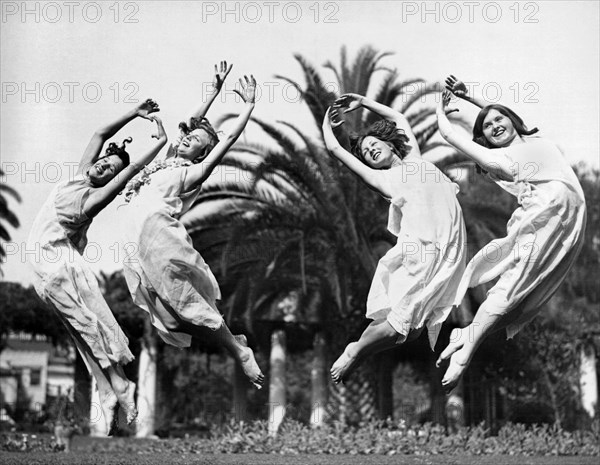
<point x="489" y="159"/>
<point x="221" y="72"/>
<point x="373" y="178"/>
<point x="459" y="89"/>
<point x="101" y="197"/>
<point x="351" y="102"/>
<point x="199" y="172"/>
<point x="92" y="151"/>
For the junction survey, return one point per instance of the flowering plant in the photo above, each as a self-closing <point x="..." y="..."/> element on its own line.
<point x="143" y="177"/>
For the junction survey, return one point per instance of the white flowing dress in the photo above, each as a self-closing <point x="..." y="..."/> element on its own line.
<point x="63" y="279"/>
<point x="544" y="234"/>
<point x="166" y="276"/>
<point x="416" y="281"/>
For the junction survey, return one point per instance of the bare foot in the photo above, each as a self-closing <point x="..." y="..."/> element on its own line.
<point x="248" y="362"/>
<point x="456" y="343"/>
<point x="344" y="365"/>
<point x="126" y="396"/>
<point x="130" y="409"/>
<point x="456" y="368"/>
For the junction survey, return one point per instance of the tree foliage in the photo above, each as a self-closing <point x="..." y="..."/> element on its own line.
<point x="6" y="214"/>
<point x="298" y="221"/>
<point x="23" y="311"/>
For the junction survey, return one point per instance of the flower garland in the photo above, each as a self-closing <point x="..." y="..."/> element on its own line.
<point x="143" y="177"/>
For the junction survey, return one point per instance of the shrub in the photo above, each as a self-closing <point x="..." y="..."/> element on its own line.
<point x="368" y="438"/>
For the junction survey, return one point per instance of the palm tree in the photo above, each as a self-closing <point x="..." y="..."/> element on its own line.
<point x="6" y="214"/>
<point x="581" y="283"/>
<point x="305" y="223"/>
<point x="297" y="235"/>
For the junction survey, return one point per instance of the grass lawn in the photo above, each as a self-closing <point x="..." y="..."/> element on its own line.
<point x="124" y="458"/>
<point x="129" y="451"/>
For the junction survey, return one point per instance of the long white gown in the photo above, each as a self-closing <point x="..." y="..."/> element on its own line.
<point x="63" y="279"/>
<point x="544" y="234"/>
<point x="416" y="281"/>
<point x="166" y="276"/>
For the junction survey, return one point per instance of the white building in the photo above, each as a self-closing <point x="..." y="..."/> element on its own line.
<point x="32" y="370"/>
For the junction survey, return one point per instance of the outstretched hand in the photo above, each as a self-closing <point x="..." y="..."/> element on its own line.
<point x="456" y="86"/>
<point x="446" y="96"/>
<point x="146" y="108"/>
<point x="445" y="102"/>
<point x="221" y="73"/>
<point x="330" y="121"/>
<point x="334" y="118"/>
<point x="350" y="102"/>
<point x="161" y="130"/>
<point x="444" y="125"/>
<point x="248" y="90"/>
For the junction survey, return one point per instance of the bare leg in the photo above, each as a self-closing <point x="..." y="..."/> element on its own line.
<point x="124" y="390"/>
<point x="113" y="388"/>
<point x="378" y="336"/>
<point x="466" y="341"/>
<point x="248" y="362"/>
<point x="113" y="385"/>
<point x="457" y="340"/>
<point x="458" y="336"/>
<point x="108" y="399"/>
<point x="106" y="394"/>
<point x="237" y="347"/>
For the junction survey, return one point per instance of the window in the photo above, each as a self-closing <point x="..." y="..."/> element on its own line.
<point x="35" y="377"/>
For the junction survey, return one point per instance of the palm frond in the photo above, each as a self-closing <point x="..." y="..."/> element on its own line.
<point x="9" y="190"/>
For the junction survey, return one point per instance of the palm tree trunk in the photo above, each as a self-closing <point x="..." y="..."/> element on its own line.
<point x="83" y="390"/>
<point x="277" y="385"/>
<point x="455" y="408"/>
<point x="385" y="391"/>
<point x="362" y="394"/>
<point x="319" y="377"/>
<point x="146" y="388"/>
<point x="552" y="394"/>
<point x="240" y="401"/>
<point x="337" y="409"/>
<point x="588" y="380"/>
<point x="355" y="400"/>
<point x="436" y="393"/>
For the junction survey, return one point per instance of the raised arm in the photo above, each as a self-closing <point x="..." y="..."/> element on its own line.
<point x="92" y="151"/>
<point x="355" y="101"/>
<point x="489" y="159"/>
<point x="94" y="148"/>
<point x="459" y="89"/>
<point x="373" y="178"/>
<point x="221" y="73"/>
<point x="101" y="197"/>
<point x="199" y="172"/>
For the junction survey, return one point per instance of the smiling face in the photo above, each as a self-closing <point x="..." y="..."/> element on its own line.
<point x="193" y="145"/>
<point x="498" y="129"/>
<point x="377" y="153"/>
<point x="105" y="169"/>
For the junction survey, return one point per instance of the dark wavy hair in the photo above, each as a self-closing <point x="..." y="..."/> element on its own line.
<point x="383" y="130"/>
<point x="114" y="149"/>
<point x="204" y="124"/>
<point x="515" y="119"/>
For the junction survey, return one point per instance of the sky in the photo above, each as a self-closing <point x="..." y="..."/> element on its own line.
<point x="67" y="68"/>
